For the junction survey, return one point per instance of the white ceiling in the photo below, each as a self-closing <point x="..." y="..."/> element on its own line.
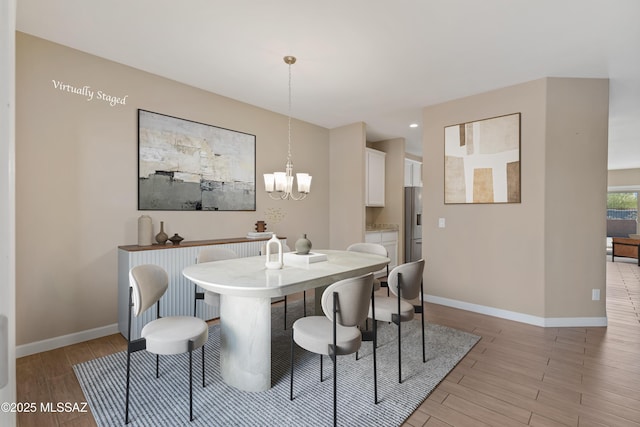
<point x="376" y="61"/>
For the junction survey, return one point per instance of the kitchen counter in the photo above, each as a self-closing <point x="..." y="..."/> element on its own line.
<point x="382" y="227"/>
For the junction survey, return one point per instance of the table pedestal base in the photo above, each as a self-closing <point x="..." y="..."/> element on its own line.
<point x="245" y="342"/>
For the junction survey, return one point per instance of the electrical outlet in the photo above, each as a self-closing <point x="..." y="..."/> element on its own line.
<point x="441" y="222"/>
<point x="595" y="294"/>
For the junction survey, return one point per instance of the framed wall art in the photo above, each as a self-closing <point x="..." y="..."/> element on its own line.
<point x="482" y="161"/>
<point x="189" y="166"/>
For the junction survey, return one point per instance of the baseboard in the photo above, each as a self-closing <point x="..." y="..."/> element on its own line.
<point x="64" y="340"/>
<point x="545" y="322"/>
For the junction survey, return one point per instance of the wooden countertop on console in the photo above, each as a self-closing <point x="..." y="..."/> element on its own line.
<point x="184" y="243"/>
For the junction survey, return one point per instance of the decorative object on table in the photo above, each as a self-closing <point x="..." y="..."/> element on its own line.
<point x="261" y="226"/>
<point x="188" y="166"/>
<point x="303" y="245"/>
<point x="162" y="237"/>
<point x="145" y="231"/>
<point x="282" y="182"/>
<point x="482" y="161"/>
<point x="293" y="258"/>
<point x="274" y="259"/>
<point x="176" y="239"/>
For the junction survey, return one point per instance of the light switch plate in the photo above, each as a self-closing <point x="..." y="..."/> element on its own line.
<point x="441" y="223"/>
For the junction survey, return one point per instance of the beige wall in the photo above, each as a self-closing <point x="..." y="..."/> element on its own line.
<point x="347" y="183"/>
<point x="77" y="187"/>
<point x="624" y="178"/>
<point x="494" y="255"/>
<point x="575" y="195"/>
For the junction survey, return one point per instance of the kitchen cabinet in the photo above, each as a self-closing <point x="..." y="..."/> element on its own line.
<point x="388" y="239"/>
<point x="375" y="178"/>
<point x="412" y="173"/>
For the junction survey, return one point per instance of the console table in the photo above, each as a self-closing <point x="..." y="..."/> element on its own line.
<point x="178" y="300"/>
<point x="623" y="247"/>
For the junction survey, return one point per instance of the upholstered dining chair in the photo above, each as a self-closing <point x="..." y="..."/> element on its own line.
<point x="208" y="254"/>
<point x="345" y="304"/>
<point x="405" y="283"/>
<point x="375" y="249"/>
<point x="164" y="335"/>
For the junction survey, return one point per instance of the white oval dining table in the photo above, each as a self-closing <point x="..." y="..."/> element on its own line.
<point x="246" y="288"/>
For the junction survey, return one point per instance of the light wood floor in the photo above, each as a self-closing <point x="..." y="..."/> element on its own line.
<point x="516" y="375"/>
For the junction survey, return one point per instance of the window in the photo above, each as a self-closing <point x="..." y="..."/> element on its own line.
<point x="622" y="214"/>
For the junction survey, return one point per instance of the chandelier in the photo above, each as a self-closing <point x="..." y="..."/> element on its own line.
<point x="279" y="185"/>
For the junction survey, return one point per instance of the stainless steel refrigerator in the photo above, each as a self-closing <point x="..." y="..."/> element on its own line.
<point x="412" y="223"/>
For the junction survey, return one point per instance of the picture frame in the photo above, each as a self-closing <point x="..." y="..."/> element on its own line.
<point x="482" y="161"/>
<point x="185" y="165"/>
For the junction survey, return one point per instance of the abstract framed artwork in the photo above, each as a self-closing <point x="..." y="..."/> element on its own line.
<point x="189" y="166"/>
<point x="482" y="161"/>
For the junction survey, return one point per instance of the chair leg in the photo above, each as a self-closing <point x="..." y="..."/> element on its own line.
<point x="321" y="368"/>
<point x="399" y="354"/>
<point x="291" y="375"/>
<point x="195" y="300"/>
<point x="399" y="331"/>
<point x="126" y="405"/>
<point x="190" y="381"/>
<point x="285" y="312"/>
<point x="424" y="356"/>
<point x="333" y="352"/>
<point x="157" y="366"/>
<point x="375" y="343"/>
<point x="203" y="366"/>
<point x="304" y="303"/>
<point x="335" y="390"/>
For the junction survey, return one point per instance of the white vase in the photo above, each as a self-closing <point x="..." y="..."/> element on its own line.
<point x="274" y="254"/>
<point x="145" y="231"/>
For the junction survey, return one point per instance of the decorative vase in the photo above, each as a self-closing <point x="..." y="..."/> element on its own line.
<point x="162" y="237"/>
<point x="145" y="231"/>
<point x="176" y="239"/>
<point x="271" y="262"/>
<point x="303" y="245"/>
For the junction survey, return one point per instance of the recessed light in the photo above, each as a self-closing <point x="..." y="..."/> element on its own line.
<point x="413" y="125"/>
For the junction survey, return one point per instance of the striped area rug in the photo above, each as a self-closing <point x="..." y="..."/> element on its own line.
<point x="165" y="401"/>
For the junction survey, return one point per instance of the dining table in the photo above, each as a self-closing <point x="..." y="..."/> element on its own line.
<point x="246" y="288"/>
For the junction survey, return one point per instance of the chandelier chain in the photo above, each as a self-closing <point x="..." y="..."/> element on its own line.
<point x="289" y="114"/>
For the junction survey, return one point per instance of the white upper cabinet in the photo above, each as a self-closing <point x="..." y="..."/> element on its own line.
<point x="375" y="177"/>
<point x="412" y="173"/>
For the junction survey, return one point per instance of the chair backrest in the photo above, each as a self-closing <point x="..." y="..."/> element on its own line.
<point x="214" y="253"/>
<point x="354" y="296"/>
<point x="148" y="282"/>
<point x="369" y="248"/>
<point x="411" y="273"/>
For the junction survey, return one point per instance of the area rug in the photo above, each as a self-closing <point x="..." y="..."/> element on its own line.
<point x="165" y="401"/>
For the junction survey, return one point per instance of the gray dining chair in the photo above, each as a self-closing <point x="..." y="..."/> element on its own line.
<point x="164" y="335"/>
<point x="405" y="283"/>
<point x="346" y="305"/>
<point x="208" y="254"/>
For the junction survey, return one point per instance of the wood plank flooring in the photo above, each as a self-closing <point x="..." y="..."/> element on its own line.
<point x="516" y="375"/>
